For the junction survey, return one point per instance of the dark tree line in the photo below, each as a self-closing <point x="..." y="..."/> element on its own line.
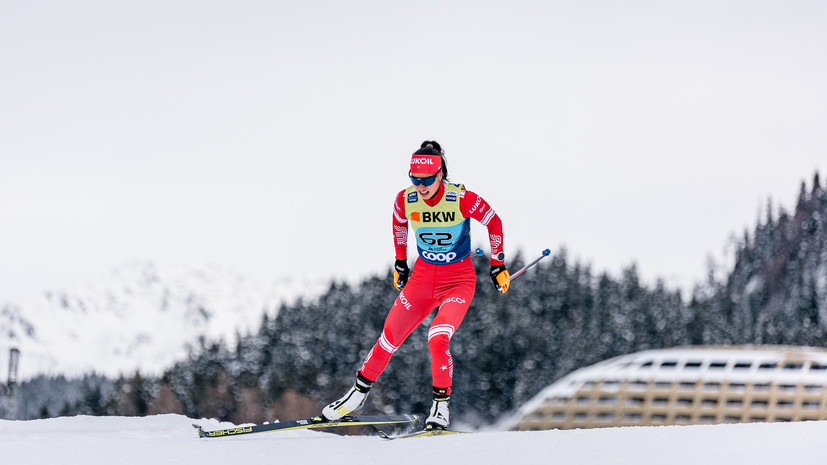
<point x="777" y="291"/>
<point x="558" y="317"/>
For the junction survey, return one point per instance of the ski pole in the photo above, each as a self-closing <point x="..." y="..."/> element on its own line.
<point x="477" y="253"/>
<point x="523" y="269"/>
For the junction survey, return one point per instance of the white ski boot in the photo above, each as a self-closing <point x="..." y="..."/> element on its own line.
<point x="350" y="402"/>
<point x="440" y="415"/>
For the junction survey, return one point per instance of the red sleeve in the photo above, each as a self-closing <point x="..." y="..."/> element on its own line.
<point x="474" y="206"/>
<point x="400" y="227"/>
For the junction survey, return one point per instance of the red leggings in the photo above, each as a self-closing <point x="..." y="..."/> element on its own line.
<point x="449" y="287"/>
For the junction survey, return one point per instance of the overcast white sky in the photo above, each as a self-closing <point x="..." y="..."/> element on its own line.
<point x="270" y="137"/>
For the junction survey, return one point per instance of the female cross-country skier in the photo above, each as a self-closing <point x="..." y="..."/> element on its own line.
<point x="443" y="276"/>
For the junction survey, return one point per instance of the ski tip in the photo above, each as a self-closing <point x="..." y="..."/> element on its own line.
<point x="199" y="429"/>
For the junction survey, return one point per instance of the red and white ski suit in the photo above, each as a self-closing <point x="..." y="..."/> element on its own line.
<point x="449" y="285"/>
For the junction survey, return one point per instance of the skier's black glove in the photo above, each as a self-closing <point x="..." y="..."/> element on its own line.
<point x="501" y="278"/>
<point x="400" y="274"/>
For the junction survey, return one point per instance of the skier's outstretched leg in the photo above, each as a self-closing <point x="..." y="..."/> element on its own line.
<point x="407" y="313"/>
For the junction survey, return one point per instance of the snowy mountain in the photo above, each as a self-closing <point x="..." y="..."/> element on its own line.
<point x="141" y="316"/>
<point x="166" y="439"/>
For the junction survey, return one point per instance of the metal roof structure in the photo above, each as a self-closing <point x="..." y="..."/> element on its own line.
<point x="686" y="386"/>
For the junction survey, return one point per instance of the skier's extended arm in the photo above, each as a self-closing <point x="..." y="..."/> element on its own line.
<point x="474" y="206"/>
<point x="400" y="242"/>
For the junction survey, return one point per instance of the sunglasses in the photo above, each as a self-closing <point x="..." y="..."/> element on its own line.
<point x="424" y="181"/>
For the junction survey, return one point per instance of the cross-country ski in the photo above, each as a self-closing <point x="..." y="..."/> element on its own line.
<point x="308" y="423"/>
<point x="422" y="434"/>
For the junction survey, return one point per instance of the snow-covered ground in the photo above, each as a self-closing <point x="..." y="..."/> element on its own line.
<point x="167" y="439"/>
